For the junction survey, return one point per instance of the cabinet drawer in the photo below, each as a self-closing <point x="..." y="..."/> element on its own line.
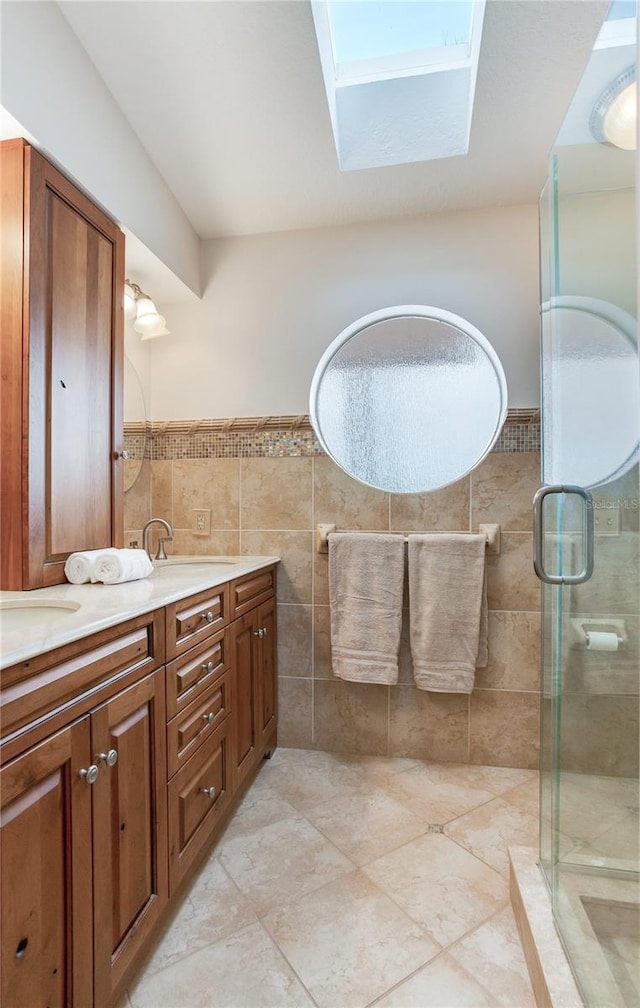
<point x="196" y="618"/>
<point x="250" y="590"/>
<point x="192" y="673"/>
<point x="45" y="692"/>
<point x="199" y="720"/>
<point x="194" y="809"/>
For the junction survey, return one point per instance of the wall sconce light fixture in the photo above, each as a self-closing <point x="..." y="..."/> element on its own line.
<point x="614" y="116"/>
<point x="139" y="306"/>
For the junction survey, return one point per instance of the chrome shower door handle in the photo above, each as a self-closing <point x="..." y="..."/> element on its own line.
<point x="538" y="535"/>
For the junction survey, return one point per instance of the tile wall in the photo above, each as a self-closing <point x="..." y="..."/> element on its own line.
<point x="271" y="505"/>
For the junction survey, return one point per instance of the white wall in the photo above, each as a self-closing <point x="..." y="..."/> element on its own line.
<point x="49" y="84"/>
<point x="272" y="303"/>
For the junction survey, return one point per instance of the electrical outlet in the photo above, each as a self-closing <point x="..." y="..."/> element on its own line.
<point x="201" y="524"/>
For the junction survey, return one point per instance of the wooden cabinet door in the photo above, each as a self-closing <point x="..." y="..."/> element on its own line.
<point x="63" y="347"/>
<point x="45" y="831"/>
<point x="266" y="666"/>
<point x="242" y="651"/>
<point x="129" y="827"/>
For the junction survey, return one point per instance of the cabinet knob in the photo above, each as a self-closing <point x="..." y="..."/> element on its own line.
<point x="208" y="667"/>
<point x="261" y="632"/>
<point x="124" y="455"/>
<point x="90" y="774"/>
<point x="110" y="757"/>
<point x="209" y="791"/>
<point x="209" y="718"/>
<point x="207" y="616"/>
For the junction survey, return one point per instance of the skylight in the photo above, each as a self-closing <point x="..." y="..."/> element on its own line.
<point x="399" y="76"/>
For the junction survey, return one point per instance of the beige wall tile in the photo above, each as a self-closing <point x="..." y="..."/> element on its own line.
<point x="294" y="641"/>
<point x="438" y="511"/>
<point x="351" y="717"/>
<point x="505" y="728"/>
<point x="511" y="582"/>
<point x="431" y="726"/>
<point x="218" y="543"/>
<point x="322" y="667"/>
<point x="612" y="735"/>
<point x="502" y="489"/>
<point x="137" y="500"/>
<point x="276" y="493"/>
<point x="614" y="586"/>
<point x="213" y="484"/>
<point x="345" y="502"/>
<point x="320" y="578"/>
<point x="514" y="652"/>
<point x="295" y="713"/>
<point x="161" y="483"/>
<point x="294" y="569"/>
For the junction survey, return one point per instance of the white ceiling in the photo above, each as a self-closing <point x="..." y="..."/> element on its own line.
<point x="228" y="99"/>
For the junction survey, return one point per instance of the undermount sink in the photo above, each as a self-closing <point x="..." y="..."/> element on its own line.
<point x="21" y="614"/>
<point x="181" y="561"/>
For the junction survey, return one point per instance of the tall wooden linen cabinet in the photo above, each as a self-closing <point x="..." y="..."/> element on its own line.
<point x="61" y="284"/>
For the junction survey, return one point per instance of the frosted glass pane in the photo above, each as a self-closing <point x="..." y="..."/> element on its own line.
<point x="408" y="403"/>
<point x="590" y="391"/>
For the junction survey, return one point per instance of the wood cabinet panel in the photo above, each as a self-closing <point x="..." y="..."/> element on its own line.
<point x="130" y="887"/>
<point x="42" y="692"/>
<point x="62" y="342"/>
<point x="45" y="825"/>
<point x="199" y="795"/>
<point x="196" y="618"/>
<point x="192" y="673"/>
<point x="243" y="660"/>
<point x="267" y="688"/>
<point x="248" y="591"/>
<point x="81" y="268"/>
<point x="195" y="723"/>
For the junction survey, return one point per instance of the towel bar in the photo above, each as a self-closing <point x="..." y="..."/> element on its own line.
<point x="491" y="533"/>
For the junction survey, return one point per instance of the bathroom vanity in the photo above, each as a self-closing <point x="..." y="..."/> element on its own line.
<point x="133" y="717"/>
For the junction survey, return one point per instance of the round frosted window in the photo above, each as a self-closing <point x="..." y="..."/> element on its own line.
<point x="408" y="399"/>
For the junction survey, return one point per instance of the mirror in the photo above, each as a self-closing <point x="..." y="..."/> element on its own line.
<point x="135" y="424"/>
<point x="408" y="399"/>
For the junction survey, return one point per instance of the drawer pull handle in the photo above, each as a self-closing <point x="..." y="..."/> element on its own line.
<point x="209" y="791"/>
<point x="208" y="666"/>
<point x="207" y="616"/>
<point x="209" y="718"/>
<point x="90" y="774"/>
<point x="110" y="757"/>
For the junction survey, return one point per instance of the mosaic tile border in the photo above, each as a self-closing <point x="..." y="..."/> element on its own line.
<point x="257" y="437"/>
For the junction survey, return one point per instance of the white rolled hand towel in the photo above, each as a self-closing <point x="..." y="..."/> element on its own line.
<point x="79" y="566"/>
<point x="114" y="566"/>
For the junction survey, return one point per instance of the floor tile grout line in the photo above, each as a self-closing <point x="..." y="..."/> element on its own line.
<point x="290" y="965"/>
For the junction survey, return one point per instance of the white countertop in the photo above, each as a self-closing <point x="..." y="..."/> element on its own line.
<point x="102" y="606"/>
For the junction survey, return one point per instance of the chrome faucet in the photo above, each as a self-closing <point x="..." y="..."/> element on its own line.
<point x="160" y="555"/>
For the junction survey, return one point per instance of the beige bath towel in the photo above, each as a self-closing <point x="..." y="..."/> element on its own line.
<point x="447" y="610"/>
<point x="366" y="574"/>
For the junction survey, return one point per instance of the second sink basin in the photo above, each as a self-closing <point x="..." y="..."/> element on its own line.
<point x="179" y="561"/>
<point x="19" y="614"/>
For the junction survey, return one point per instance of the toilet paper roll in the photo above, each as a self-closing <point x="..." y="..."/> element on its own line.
<point x="598" y="641"/>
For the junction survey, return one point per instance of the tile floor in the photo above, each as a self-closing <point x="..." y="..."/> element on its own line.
<point x="346" y="881"/>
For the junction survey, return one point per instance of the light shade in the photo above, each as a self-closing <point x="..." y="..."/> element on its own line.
<point x="129" y="301"/>
<point x="139" y="306"/>
<point x="614" y="117"/>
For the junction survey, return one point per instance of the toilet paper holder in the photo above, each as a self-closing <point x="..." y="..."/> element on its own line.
<point x="583" y="626"/>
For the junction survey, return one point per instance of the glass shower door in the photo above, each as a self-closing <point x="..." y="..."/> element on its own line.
<point x="588" y="557"/>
